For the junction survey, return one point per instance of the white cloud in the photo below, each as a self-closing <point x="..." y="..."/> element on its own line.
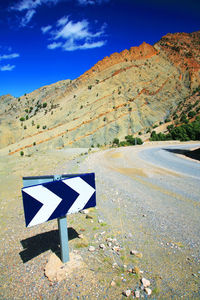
<point x="62" y="21"/>
<point x="71" y="46"/>
<point x="30" y="6"/>
<point x="86" y="2"/>
<point x="28" y="16"/>
<point x="54" y="46"/>
<point x="91" y="2"/>
<point x="93" y="45"/>
<point x="26" y="5"/>
<point x="7" y="67"/>
<point x="75" y="31"/>
<point x="9" y="56"/>
<point x="71" y="36"/>
<point x="46" y="28"/>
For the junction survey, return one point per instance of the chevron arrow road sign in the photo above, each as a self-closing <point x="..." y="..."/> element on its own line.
<point x="55" y="199"/>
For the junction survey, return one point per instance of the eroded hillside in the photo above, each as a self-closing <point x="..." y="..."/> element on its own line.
<point x="123" y="94"/>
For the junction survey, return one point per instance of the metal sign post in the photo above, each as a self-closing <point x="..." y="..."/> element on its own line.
<point x="63" y="232"/>
<point x="53" y="197"/>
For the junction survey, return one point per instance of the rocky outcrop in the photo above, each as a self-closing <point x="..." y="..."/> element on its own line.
<point x="142" y="52"/>
<point x="182" y="49"/>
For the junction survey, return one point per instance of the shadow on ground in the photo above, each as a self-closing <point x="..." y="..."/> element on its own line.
<point x="40" y="243"/>
<point x="194" y="154"/>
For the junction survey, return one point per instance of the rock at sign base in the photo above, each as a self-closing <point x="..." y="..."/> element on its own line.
<point x="148" y="291"/>
<point x="54" y="264"/>
<point x="55" y="270"/>
<point x="127" y="293"/>
<point x="145" y="282"/>
<point x="91" y="249"/>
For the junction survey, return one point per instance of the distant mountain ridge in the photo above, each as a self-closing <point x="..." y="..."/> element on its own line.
<point x="123" y="94"/>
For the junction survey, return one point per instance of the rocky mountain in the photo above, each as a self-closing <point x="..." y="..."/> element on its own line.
<point x="121" y="95"/>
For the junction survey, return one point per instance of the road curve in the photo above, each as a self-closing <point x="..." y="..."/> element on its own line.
<point x="167" y="157"/>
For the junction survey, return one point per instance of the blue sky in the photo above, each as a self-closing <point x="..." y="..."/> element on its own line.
<point x="44" y="41"/>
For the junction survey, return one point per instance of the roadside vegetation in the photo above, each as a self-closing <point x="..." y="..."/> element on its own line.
<point x="184" y="132"/>
<point x="129" y="141"/>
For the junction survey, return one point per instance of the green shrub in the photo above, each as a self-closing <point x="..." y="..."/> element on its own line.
<point x="196" y="90"/>
<point x="175" y="117"/>
<point x="167" y="120"/>
<point x="116" y="141"/>
<point x="122" y="144"/>
<point x="170" y="127"/>
<point x="138" y="141"/>
<point x="191" y="114"/>
<point x="133" y="141"/>
<point x="44" y="105"/>
<point x="183" y="118"/>
<point x="21" y="153"/>
<point x="22" y="119"/>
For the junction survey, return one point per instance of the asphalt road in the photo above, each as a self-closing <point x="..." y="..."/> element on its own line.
<point x="152" y="196"/>
<point x="167" y="157"/>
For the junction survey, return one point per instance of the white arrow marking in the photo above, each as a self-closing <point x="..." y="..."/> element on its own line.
<point x="49" y="200"/>
<point x="84" y="190"/>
